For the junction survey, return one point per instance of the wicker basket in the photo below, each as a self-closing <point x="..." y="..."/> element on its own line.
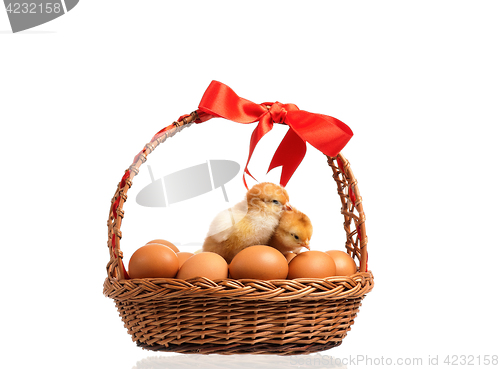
<point x="228" y="316"/>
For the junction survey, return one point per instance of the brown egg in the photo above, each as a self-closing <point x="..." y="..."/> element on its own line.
<point x="259" y="262"/>
<point x="289" y="256"/>
<point x="344" y="263"/>
<point x="153" y="261"/>
<point x="311" y="264"/>
<point x="165" y="243"/>
<point x="205" y="264"/>
<point x="183" y="256"/>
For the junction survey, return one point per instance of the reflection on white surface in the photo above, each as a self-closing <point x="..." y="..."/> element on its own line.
<point x="181" y="361"/>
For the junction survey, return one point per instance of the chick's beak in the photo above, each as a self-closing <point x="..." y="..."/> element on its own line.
<point x="287" y="206"/>
<point x="306" y="245"/>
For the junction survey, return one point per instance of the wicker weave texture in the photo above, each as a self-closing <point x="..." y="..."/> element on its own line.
<point x="215" y="324"/>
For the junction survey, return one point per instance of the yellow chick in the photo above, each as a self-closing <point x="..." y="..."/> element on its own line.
<point x="293" y="232"/>
<point x="248" y="223"/>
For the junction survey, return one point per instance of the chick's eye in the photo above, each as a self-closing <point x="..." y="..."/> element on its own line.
<point x="295" y="236"/>
<point x="276" y="202"/>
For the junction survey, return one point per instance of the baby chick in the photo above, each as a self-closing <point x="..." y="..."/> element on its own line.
<point x="248" y="223"/>
<point x="294" y="232"/>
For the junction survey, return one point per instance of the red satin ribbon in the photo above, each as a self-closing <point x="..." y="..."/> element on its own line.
<point x="329" y="135"/>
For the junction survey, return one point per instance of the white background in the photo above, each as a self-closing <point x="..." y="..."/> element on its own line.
<point x="417" y="82"/>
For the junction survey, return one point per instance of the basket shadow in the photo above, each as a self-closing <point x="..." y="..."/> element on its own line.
<point x="239" y="361"/>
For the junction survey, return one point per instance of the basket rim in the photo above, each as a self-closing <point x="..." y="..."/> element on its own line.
<point x="157" y="289"/>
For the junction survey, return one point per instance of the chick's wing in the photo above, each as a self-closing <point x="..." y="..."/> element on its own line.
<point x="222" y="225"/>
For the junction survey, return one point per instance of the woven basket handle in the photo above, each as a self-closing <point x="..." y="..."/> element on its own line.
<point x="342" y="173"/>
<point x="352" y="209"/>
<point x="115" y="266"/>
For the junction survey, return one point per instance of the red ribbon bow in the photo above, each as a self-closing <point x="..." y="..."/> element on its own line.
<point x="329" y="135"/>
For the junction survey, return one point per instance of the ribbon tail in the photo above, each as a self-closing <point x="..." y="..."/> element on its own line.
<point x="264" y="126"/>
<point x="244" y="179"/>
<point x="289" y="155"/>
